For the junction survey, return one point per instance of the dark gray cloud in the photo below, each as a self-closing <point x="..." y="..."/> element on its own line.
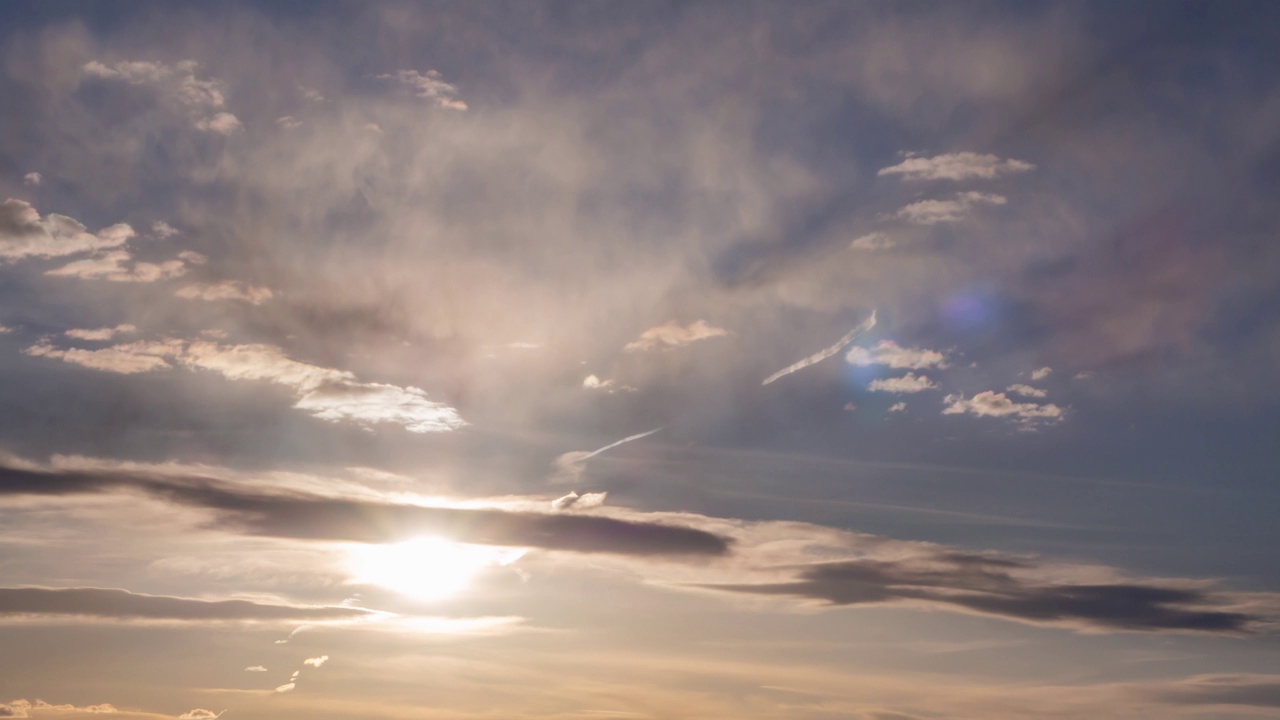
<point x="115" y="603"/>
<point x="321" y="518"/>
<point x="991" y="586"/>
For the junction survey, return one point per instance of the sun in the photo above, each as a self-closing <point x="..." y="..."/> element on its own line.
<point x="427" y="568"/>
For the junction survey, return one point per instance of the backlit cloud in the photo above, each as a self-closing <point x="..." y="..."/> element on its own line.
<point x="672" y="335"/>
<point x="956" y="166"/>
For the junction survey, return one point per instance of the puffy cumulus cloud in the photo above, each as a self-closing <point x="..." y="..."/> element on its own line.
<point x="316" y="661"/>
<point x="873" y="241"/>
<point x="32" y="179"/>
<point x="178" y="85"/>
<point x="989" y="403"/>
<point x="956" y="166"/>
<point x="1026" y="390"/>
<point x="575" y="501"/>
<point x="255" y="669"/>
<point x="672" y="335"/>
<point x="909" y="383"/>
<point x="932" y="212"/>
<point x="105" y="333"/>
<point x="119" y="266"/>
<point x="126" y="359"/>
<point x="428" y="86"/>
<point x="226" y="290"/>
<point x="200" y="714"/>
<point x="1042" y="373"/>
<point x="23" y="233"/>
<point x="888" y="352"/>
<point x="111" y="603"/>
<point x="898" y="407"/>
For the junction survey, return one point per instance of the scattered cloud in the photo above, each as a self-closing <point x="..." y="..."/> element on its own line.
<point x="1026" y="391"/>
<point x="5" y="330"/>
<point x="224" y="123"/>
<point x="23" y="233"/>
<point x="827" y="352"/>
<point x="873" y="241"/>
<point x="956" y="166"/>
<point x="1042" y="373"/>
<point x="162" y="230"/>
<point x="200" y="714"/>
<point x="898" y="407"/>
<point x="119" y="266"/>
<point x="316" y="661"/>
<point x="286" y="687"/>
<point x="289" y="122"/>
<point x="887" y="352"/>
<point x="1082" y="375"/>
<point x="909" y="383"/>
<point x="932" y="212"/>
<point x="32" y="179"/>
<point x="255" y="669"/>
<point x="579" y="502"/>
<point x="226" y="290"/>
<point x="591" y="382"/>
<point x="178" y="85"/>
<point x="24" y="708"/>
<point x="428" y="86"/>
<point x="989" y="403"/>
<point x="122" y="604"/>
<point x="105" y="333"/>
<point x="126" y="359"/>
<point x="672" y="335"/>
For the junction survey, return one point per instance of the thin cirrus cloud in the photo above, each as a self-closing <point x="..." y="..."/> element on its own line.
<point x="115" y="603"/>
<point x="428" y="86"/>
<point x="933" y="212"/>
<point x="24" y="233"/>
<point x="909" y="383"/>
<point x="326" y="393"/>
<point x="989" y="403"/>
<point x="672" y="335"/>
<point x="890" y="353"/>
<point x="202" y="100"/>
<point x="956" y="166"/>
<point x="826" y="352"/>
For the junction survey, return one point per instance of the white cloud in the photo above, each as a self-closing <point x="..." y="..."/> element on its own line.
<point x="873" y="241"/>
<point x="316" y="661"/>
<point x="201" y="99"/>
<point x="289" y="122"/>
<point x="989" y="403"/>
<point x="22" y="708"/>
<point x="286" y="687"/>
<point x="1082" y="375"/>
<point x="100" y="333"/>
<point x="115" y="266"/>
<point x="23" y="233"/>
<point x="826" y="352"/>
<point x="428" y="86"/>
<point x="224" y="123"/>
<point x="671" y="335"/>
<point x="1042" y="373"/>
<point x="887" y="352"/>
<point x="898" y="407"/>
<point x="163" y="230"/>
<point x="1026" y="390"/>
<point x="226" y="290"/>
<point x="956" y="166"/>
<point x="127" y="359"/>
<point x="255" y="668"/>
<point x="200" y="714"/>
<point x="908" y="383"/>
<point x="32" y="179"/>
<point x="591" y="382"/>
<point x="932" y="212"/>
<point x="579" y="502"/>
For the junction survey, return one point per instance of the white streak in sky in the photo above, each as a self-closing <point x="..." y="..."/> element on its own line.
<point x="610" y="446"/>
<point x="824" y="354"/>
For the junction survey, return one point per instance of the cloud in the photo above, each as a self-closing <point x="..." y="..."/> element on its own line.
<point x="178" y="85"/>
<point x="316" y="661"/>
<point x="112" y="266"/>
<point x="1006" y="588"/>
<point x="827" y="352"/>
<point x="591" y="382"/>
<point x="23" y="708"/>
<point x="1042" y="373"/>
<point x="122" y="604"/>
<point x="428" y="86"/>
<point x="1026" y="391"/>
<point x="289" y="122"/>
<point x="162" y="230"/>
<point x="312" y="517"/>
<point x="873" y="241"/>
<point x="898" y="407"/>
<point x="23" y="233"/>
<point x="200" y="714"/>
<point x="126" y="359"/>
<point x="286" y="687"/>
<point x="5" y="330"/>
<point x="671" y="335"/>
<point x="579" y="502"/>
<point x="100" y="333"/>
<point x="932" y="212"/>
<point x="989" y="403"/>
<point x="956" y="166"/>
<point x="255" y="669"/>
<point x="887" y="352"/>
<point x="226" y="290"/>
<point x="32" y="179"/>
<point x="908" y="383"/>
<point x="1243" y="689"/>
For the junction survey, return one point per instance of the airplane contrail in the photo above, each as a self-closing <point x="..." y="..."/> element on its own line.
<point x="612" y="445"/>
<point x="828" y="352"/>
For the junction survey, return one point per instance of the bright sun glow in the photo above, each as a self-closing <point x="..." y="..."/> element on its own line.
<point x="426" y="568"/>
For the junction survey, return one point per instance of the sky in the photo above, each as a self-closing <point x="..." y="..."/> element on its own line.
<point x="581" y="360"/>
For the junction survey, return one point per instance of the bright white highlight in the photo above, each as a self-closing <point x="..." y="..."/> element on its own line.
<point x="426" y="568"/>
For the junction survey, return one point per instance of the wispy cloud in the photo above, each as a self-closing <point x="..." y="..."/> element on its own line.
<point x="827" y="352"/>
<point x="24" y="708"/>
<point x="898" y="407"/>
<point x="591" y="382"/>
<point x="579" y="502"/>
<point x="200" y="714"/>
<point x="178" y="85"/>
<point x="956" y="166"/>
<point x="873" y="241"/>
<point x="119" y="266"/>
<point x="122" y="604"/>
<point x="428" y="86"/>
<point x="932" y="212"/>
<point x="909" y="383"/>
<point x="672" y="335"/>
<point x="226" y="290"/>
<point x="105" y="333"/>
